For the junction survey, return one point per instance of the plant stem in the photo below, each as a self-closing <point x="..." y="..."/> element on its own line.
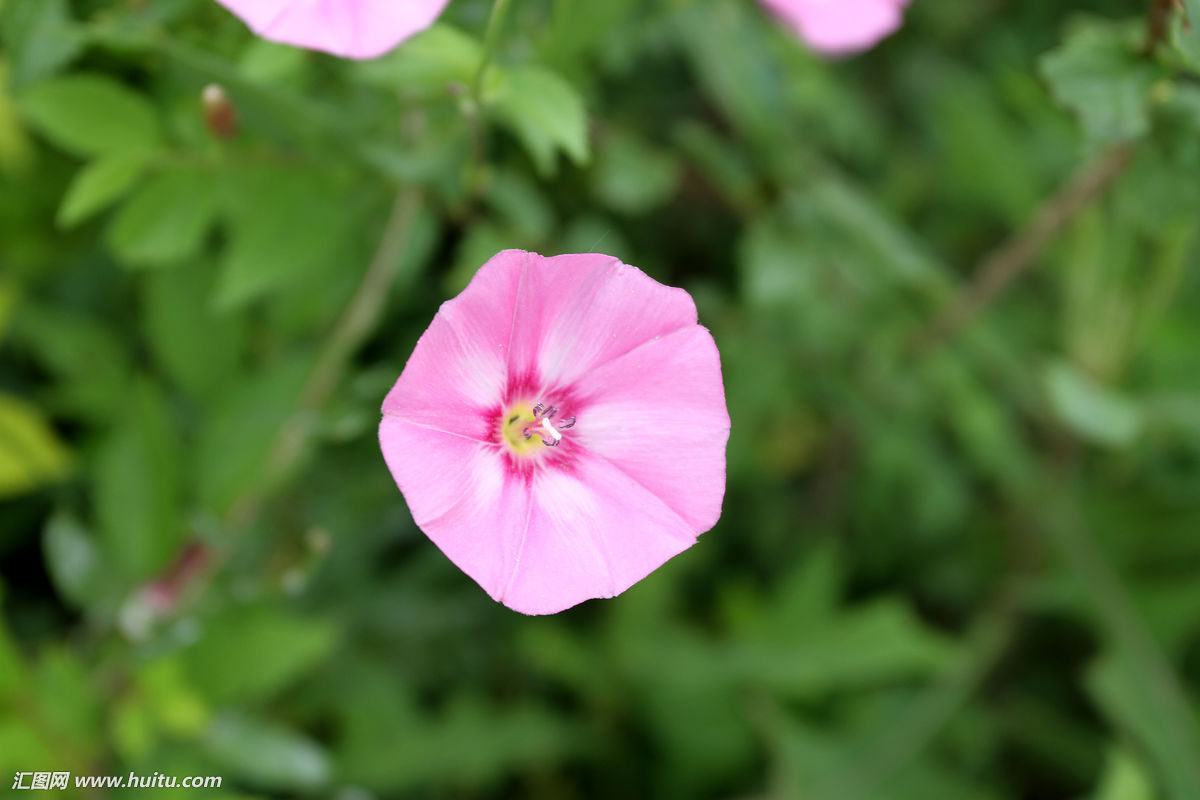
<point x="495" y="23"/>
<point x="352" y="328"/>
<point x="1017" y="255"/>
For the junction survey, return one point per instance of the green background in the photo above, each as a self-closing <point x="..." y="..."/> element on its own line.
<point x="954" y="284"/>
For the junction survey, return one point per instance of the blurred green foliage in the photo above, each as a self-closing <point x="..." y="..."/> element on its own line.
<point x="956" y="560"/>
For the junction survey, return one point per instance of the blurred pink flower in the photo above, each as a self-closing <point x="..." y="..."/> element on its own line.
<point x="559" y="430"/>
<point x="840" y="27"/>
<point x="348" y="28"/>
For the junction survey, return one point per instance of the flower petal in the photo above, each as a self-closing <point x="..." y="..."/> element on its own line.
<point x="349" y="28"/>
<point x="592" y="532"/>
<point x="840" y="27"/>
<point x="575" y="312"/>
<point x="455" y="378"/>
<point x="462" y="495"/>
<point x="658" y="414"/>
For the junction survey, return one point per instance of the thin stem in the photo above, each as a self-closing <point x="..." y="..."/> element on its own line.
<point x="352" y="328"/>
<point x="495" y="23"/>
<point x="1017" y="255"/>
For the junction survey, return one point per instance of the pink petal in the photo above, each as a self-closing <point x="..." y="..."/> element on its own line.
<point x="456" y="376"/>
<point x="462" y="495"/>
<point x="575" y="312"/>
<point x="349" y="28"/>
<point x="658" y="414"/>
<point x="631" y="485"/>
<point x="840" y="27"/>
<point x="592" y="532"/>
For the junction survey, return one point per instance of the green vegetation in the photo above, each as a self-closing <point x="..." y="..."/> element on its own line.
<point x="956" y="287"/>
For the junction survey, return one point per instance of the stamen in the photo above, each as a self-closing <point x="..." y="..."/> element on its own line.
<point x="551" y="436"/>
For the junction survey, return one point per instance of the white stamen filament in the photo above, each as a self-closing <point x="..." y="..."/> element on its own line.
<point x="548" y="427"/>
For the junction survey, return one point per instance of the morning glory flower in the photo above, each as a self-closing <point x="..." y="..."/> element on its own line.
<point x="347" y="28"/>
<point x="559" y="430"/>
<point x="840" y="27"/>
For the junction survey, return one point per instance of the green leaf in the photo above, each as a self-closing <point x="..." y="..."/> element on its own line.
<point x="173" y="702"/>
<point x="39" y="37"/>
<point x="31" y="454"/>
<point x="1098" y="74"/>
<point x="8" y="299"/>
<point x="14" y="677"/>
<point x="91" y="115"/>
<point x="88" y="362"/>
<point x="68" y="699"/>
<point x="632" y="175"/>
<point x="1129" y="699"/>
<point x="16" y="149"/>
<point x="166" y="219"/>
<point x="1124" y="778"/>
<point x="1187" y="32"/>
<point x="265" y="754"/>
<point x="824" y="763"/>
<point x="724" y="44"/>
<point x="197" y="347"/>
<point x="237" y="434"/>
<point x="253" y="653"/>
<point x="99" y="184"/>
<point x="1093" y="411"/>
<point x="387" y="742"/>
<point x="877" y="643"/>
<point x="427" y="64"/>
<point x="73" y="560"/>
<point x="137" y="485"/>
<point x="283" y="224"/>
<point x="775" y="266"/>
<point x="800" y="642"/>
<point x="544" y="112"/>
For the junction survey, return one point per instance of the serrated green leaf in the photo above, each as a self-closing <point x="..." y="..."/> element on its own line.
<point x="137" y="486"/>
<point x="1098" y="74"/>
<point x="91" y="115"/>
<point x="31" y="454"/>
<point x="99" y="184"/>
<point x="166" y="219"/>
<point x="544" y="112"/>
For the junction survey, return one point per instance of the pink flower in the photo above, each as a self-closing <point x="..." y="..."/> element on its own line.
<point x="559" y="430"/>
<point x="840" y="27"/>
<point x="348" y="28"/>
